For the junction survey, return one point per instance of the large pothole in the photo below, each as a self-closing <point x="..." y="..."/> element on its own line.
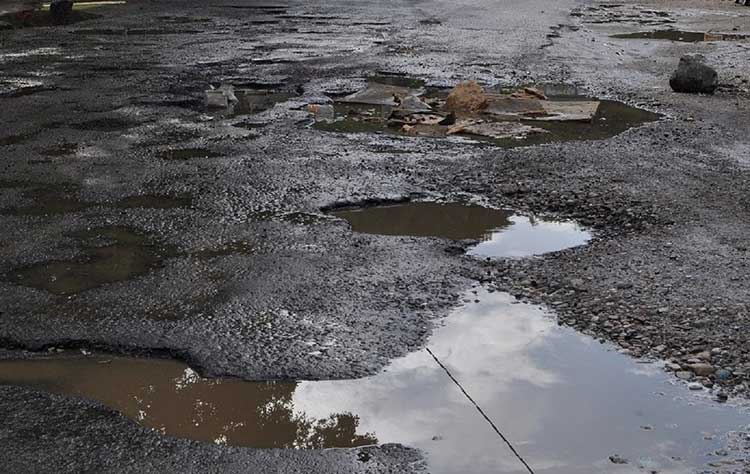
<point x="501" y="233"/>
<point x="505" y="117"/>
<point x="567" y="403"/>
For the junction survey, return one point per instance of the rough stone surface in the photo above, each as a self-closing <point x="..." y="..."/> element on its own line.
<point x="694" y="76"/>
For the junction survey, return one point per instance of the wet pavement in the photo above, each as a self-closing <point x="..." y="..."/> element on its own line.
<point x="537" y="382"/>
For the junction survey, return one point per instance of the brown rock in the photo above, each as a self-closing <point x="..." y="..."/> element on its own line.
<point x="467" y="97"/>
<point x="702" y="370"/>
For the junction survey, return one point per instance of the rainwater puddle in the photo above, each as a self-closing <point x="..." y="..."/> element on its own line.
<point x="43" y="18"/>
<point x="500" y="232"/>
<point x="154" y="201"/>
<point x="682" y="36"/>
<point x="508" y="121"/>
<point x="112" y="254"/>
<point x="46" y="202"/>
<point x="187" y="153"/>
<point x="252" y="99"/>
<point x="565" y="402"/>
<point x="105" y="125"/>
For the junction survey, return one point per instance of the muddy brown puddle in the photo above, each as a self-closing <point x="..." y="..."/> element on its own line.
<point x="500" y="233"/>
<point x="112" y="254"/>
<point x="566" y="402"/>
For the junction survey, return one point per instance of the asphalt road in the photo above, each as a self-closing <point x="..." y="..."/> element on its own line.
<point x="243" y="274"/>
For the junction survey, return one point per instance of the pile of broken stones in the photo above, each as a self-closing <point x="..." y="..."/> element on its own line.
<point x="468" y="109"/>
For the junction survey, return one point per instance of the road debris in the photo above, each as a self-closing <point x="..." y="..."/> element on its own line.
<point x="467" y="97"/>
<point x="694" y="76"/>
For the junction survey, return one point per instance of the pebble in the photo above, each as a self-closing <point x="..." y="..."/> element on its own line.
<point x="695" y="386"/>
<point x="617" y="459"/>
<point x="702" y="369"/>
<point x="723" y="374"/>
<point x="684" y="375"/>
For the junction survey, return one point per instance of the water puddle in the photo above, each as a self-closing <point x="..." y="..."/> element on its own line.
<point x="501" y="233"/>
<point x="567" y="403"/>
<point x="47" y="201"/>
<point x="403" y="106"/>
<point x="187" y="153"/>
<point x="682" y="36"/>
<point x="43" y="18"/>
<point x="112" y="254"/>
<point x="18" y="138"/>
<point x="104" y="125"/>
<point x="61" y="150"/>
<point x="154" y="201"/>
<point x="254" y="98"/>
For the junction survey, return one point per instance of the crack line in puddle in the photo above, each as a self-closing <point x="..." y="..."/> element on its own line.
<point x="479" y="409"/>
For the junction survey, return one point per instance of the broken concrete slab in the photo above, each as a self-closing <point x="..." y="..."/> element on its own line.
<point x="569" y="111"/>
<point x="381" y="94"/>
<point x="496" y="130"/>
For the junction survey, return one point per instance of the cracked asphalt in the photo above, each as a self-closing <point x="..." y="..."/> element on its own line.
<point x="247" y="277"/>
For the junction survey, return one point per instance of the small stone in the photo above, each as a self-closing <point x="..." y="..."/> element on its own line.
<point x="695" y="386"/>
<point x="723" y="374"/>
<point x="702" y="370"/>
<point x="684" y="375"/>
<point x="722" y="397"/>
<point x="617" y="459"/>
<point x="674" y="367"/>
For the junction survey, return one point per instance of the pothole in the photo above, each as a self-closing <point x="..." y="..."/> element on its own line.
<point x="43" y="18"/>
<point x="106" y="124"/>
<point x="47" y="201"/>
<point x="534" y="379"/>
<point x="154" y="201"/>
<point x="500" y="233"/>
<point x="181" y="154"/>
<point x="504" y="117"/>
<point x="682" y="36"/>
<point x="246" y="98"/>
<point x="112" y="254"/>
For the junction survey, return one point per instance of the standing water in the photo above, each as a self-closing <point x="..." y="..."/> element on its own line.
<point x="568" y="404"/>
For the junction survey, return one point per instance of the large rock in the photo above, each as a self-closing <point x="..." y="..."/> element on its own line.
<point x="694" y="76"/>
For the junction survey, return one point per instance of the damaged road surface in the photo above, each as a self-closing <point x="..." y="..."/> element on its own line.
<point x="340" y="237"/>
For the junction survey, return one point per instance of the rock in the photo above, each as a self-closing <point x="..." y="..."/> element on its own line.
<point x="413" y="103"/>
<point x="673" y="366"/>
<point x="684" y="375"/>
<point x="702" y="369"/>
<point x="695" y="386"/>
<point x="467" y="97"/>
<point x="617" y="459"/>
<point x="722" y="397"/>
<point x="694" y="76"/>
<point x="723" y="374"/>
<point x="322" y="111"/>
